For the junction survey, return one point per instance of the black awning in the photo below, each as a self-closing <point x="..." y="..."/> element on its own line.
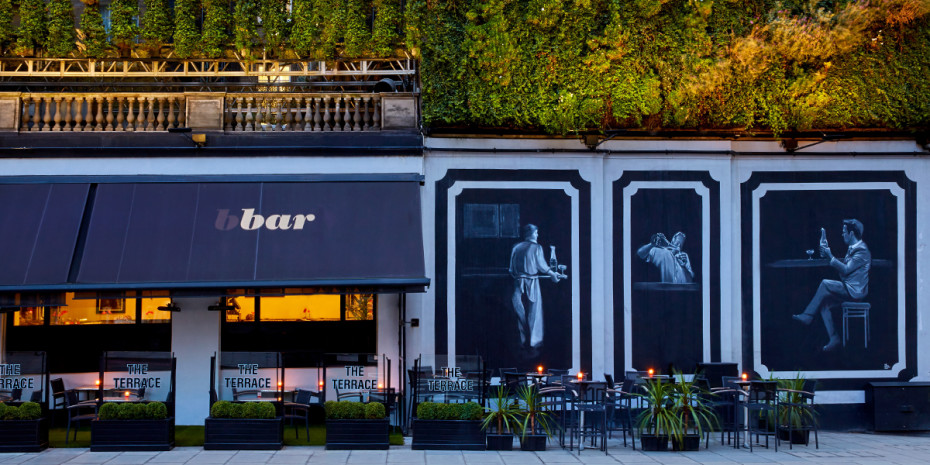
<point x="220" y="235"/>
<point x="39" y="225"/>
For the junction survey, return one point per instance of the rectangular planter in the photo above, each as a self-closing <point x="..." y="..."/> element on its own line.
<point x="689" y="443"/>
<point x="243" y="434"/>
<point x="357" y="434"/>
<point x="798" y="436"/>
<point x="131" y="435"/>
<point x="533" y="442"/>
<point x="448" y="435"/>
<point x="23" y="435"/>
<point x="500" y="442"/>
<point x="651" y="442"/>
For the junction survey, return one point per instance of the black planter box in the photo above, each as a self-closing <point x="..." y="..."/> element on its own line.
<point x="448" y="435"/>
<point x="533" y="442"/>
<point x="243" y="434"/>
<point x="651" y="442"/>
<point x="23" y="435"/>
<point x="131" y="435"/>
<point x="796" y="436"/>
<point x="500" y="442"/>
<point x="689" y="443"/>
<point x="357" y="434"/>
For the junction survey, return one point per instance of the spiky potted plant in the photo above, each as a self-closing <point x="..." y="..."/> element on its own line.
<point x="796" y="416"/>
<point x="658" y="421"/>
<point x="504" y="419"/>
<point x="536" y="420"/>
<point x="694" y="413"/>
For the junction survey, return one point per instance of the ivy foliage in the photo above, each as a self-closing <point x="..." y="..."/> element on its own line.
<point x="157" y="24"/>
<point x="33" y="26"/>
<point x="186" y="31"/>
<point x="93" y="36"/>
<point x="60" y="41"/>
<point x="356" y="35"/>
<point x="124" y="30"/>
<point x="215" y="27"/>
<point x="274" y="24"/>
<point x="386" y="29"/>
<point x="245" y="26"/>
<point x="566" y="66"/>
<point x="6" y="22"/>
<point x="305" y="28"/>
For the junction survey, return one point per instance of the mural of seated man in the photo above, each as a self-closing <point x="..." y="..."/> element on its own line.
<point x="673" y="263"/>
<point x="854" y="284"/>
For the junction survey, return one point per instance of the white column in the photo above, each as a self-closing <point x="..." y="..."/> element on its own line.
<point x="195" y="337"/>
<point x="388" y="320"/>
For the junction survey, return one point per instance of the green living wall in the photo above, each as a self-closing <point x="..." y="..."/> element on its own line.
<point x="565" y="66"/>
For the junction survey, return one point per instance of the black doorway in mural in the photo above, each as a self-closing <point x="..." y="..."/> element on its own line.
<point x="789" y="227"/>
<point x="488" y="226"/>
<point x="666" y="303"/>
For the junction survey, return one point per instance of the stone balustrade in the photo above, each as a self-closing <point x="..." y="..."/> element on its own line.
<point x="207" y="111"/>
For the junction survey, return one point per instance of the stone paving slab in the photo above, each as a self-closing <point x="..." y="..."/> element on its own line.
<point x="835" y="448"/>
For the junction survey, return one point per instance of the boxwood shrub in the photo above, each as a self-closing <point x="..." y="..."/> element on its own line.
<point x="437" y="411"/>
<point x="351" y="410"/>
<point x="248" y="410"/>
<point x="26" y="411"/>
<point x="133" y="411"/>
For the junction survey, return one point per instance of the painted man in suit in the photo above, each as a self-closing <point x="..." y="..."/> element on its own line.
<point x="854" y="284"/>
<point x="527" y="265"/>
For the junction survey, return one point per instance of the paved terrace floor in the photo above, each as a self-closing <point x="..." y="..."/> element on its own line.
<point x="835" y="448"/>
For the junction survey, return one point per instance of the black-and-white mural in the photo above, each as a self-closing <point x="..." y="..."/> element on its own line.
<point x="515" y="281"/>
<point x="826" y="272"/>
<point x="666" y="271"/>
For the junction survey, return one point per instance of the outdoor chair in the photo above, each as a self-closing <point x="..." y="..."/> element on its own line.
<point x="77" y="412"/>
<point x="619" y="410"/>
<point x="762" y="404"/>
<point x="299" y="409"/>
<point x="801" y="404"/>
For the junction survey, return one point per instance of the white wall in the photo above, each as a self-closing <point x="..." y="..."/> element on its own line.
<point x="195" y="337"/>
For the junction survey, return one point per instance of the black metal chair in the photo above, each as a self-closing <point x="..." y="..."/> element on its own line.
<point x="78" y="412"/>
<point x="388" y="398"/>
<point x="762" y="403"/>
<point x="299" y="409"/>
<point x="57" y="386"/>
<point x="591" y="414"/>
<point x="725" y="404"/>
<point x="800" y="404"/>
<point x="557" y="401"/>
<point x="619" y="409"/>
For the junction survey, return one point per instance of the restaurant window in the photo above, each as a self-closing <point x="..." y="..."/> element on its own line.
<point x="301" y="308"/>
<point x="29" y="316"/>
<point x="243" y="309"/>
<point x="93" y="312"/>
<point x="317" y="307"/>
<point x="151" y="313"/>
<point x="87" y="310"/>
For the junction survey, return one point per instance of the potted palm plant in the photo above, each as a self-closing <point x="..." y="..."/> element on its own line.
<point x="536" y="420"/>
<point x="694" y="414"/>
<point x="504" y="418"/>
<point x="658" y="421"/>
<point x="796" y="417"/>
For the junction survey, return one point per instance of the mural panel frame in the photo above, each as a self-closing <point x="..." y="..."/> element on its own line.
<point x="893" y="184"/>
<point x="623" y="189"/>
<point x="572" y="184"/>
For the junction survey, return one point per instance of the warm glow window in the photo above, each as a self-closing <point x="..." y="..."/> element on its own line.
<point x="320" y="307"/>
<point x="95" y="311"/>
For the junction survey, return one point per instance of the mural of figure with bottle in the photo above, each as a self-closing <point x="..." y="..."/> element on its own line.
<point x="527" y="266"/>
